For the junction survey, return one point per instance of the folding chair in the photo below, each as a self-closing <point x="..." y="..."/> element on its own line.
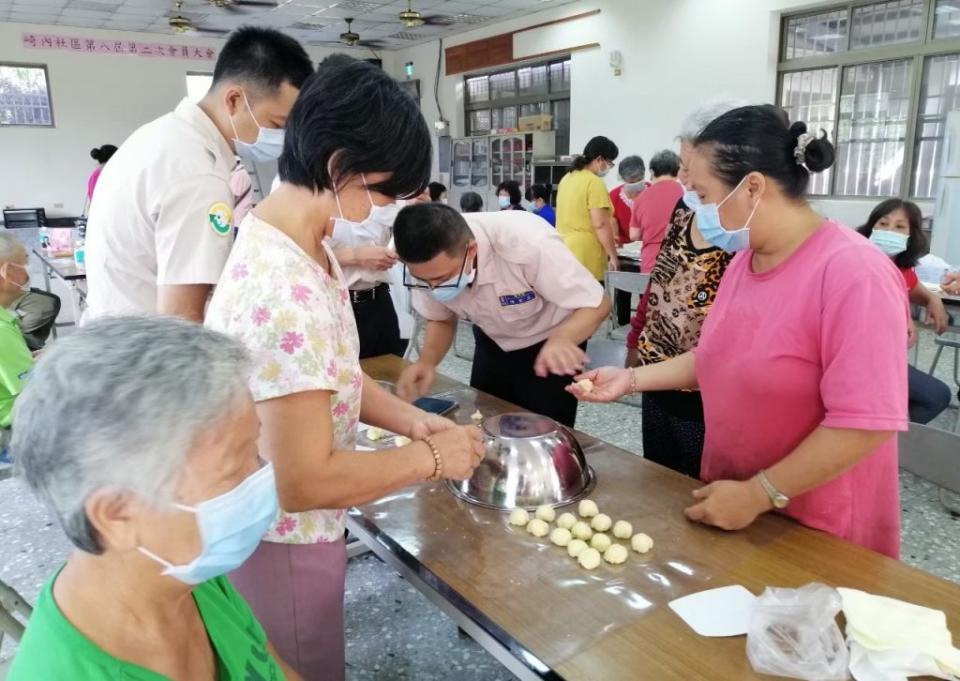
<point x="634" y="282"/>
<point x="934" y="455"/>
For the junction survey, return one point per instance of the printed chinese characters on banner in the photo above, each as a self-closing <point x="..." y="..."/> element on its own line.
<point x="127" y="48"/>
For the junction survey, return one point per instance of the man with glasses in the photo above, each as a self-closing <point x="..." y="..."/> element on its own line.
<point x="532" y="303"/>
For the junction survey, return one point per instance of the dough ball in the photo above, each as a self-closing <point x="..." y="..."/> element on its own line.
<point x="589" y="559"/>
<point x="520" y="517"/>
<point x="566" y="520"/>
<point x="616" y="554"/>
<point x="476" y="416"/>
<point x="576" y="547"/>
<point x="601" y="522"/>
<point x="374" y="434"/>
<point x="622" y="529"/>
<point x="401" y="441"/>
<point x="561" y="536"/>
<point x="641" y="542"/>
<point x="586" y="386"/>
<point x="588" y="508"/>
<point x="538" y="528"/>
<point x="546" y="513"/>
<point x="600" y="542"/>
<point x="581" y="530"/>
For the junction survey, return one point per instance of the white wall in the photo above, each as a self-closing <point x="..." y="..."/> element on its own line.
<point x="97" y="99"/>
<point x="677" y="55"/>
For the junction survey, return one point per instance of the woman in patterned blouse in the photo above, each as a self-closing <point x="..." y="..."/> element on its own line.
<point x="683" y="286"/>
<point x="354" y="143"/>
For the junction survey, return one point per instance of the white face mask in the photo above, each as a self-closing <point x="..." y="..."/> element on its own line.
<point x="377" y="227"/>
<point x="268" y="145"/>
<point x="25" y="286"/>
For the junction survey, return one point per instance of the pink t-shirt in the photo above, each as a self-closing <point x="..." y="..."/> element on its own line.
<point x="820" y="340"/>
<point x="651" y="214"/>
<point x="92" y="181"/>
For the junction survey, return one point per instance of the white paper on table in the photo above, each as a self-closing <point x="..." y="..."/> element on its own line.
<point x="891" y="665"/>
<point x="717" y="612"/>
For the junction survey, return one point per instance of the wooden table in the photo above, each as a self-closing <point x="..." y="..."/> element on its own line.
<point x="544" y="617"/>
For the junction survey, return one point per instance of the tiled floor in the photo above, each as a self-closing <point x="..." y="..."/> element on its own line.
<point x="393" y="632"/>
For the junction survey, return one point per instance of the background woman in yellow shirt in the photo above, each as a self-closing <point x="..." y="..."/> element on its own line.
<point x="584" y="208"/>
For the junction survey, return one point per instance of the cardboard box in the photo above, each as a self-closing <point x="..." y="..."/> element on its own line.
<point x="534" y="123"/>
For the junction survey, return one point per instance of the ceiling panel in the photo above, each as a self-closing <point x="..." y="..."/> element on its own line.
<point x="311" y="21"/>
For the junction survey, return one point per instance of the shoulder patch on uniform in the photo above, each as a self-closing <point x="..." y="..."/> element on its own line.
<point x="220" y="216"/>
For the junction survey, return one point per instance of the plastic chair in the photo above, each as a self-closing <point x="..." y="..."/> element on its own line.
<point x="934" y="455"/>
<point x="634" y="282"/>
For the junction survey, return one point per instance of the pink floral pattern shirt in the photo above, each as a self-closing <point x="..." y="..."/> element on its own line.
<point x="297" y="322"/>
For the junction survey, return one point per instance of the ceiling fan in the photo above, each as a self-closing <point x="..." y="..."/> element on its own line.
<point x="234" y="5"/>
<point x="352" y="39"/>
<point x="412" y="18"/>
<point x="181" y="24"/>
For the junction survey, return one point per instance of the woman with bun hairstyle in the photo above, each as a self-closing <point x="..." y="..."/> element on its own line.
<point x="802" y="397"/>
<point x="101" y="155"/>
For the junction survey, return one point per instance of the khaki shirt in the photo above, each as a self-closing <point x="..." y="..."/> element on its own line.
<point x="528" y="282"/>
<point x="162" y="214"/>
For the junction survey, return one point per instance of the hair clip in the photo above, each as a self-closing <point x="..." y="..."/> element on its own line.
<point x="800" y="151"/>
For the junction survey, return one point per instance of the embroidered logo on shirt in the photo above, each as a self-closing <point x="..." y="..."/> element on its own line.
<point x="517" y="299"/>
<point x="220" y="216"/>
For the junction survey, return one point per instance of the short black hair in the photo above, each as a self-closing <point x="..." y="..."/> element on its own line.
<point x="512" y="187"/>
<point x="471" y="202"/>
<point x="352" y="118"/>
<point x="424" y="230"/>
<point x="436" y="190"/>
<point x="263" y="58"/>
<point x="761" y="139"/>
<point x="665" y="162"/>
<point x="597" y="147"/>
<point x="538" y="191"/>
<point x="916" y="242"/>
<point x="103" y="154"/>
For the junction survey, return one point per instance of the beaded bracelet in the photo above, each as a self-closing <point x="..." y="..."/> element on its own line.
<point x="634" y="388"/>
<point x="437" y="460"/>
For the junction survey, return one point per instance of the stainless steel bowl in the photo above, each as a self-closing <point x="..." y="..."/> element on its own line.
<point x="530" y="460"/>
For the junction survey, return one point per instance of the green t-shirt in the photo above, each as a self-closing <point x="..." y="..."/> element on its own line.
<point x="53" y="648"/>
<point x="15" y="362"/>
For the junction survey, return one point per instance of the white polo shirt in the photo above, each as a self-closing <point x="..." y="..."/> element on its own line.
<point x="161" y="215"/>
<point x="528" y="282"/>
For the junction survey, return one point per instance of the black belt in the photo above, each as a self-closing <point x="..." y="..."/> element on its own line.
<point x="368" y="295"/>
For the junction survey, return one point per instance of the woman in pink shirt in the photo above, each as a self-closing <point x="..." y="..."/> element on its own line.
<point x="653" y="209"/>
<point x="101" y="155"/>
<point x="802" y="396"/>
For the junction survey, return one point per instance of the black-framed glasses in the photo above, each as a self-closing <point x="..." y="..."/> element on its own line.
<point x="412" y="282"/>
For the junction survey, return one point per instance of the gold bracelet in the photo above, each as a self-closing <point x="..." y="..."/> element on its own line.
<point x="634" y="388"/>
<point x="437" y="460"/>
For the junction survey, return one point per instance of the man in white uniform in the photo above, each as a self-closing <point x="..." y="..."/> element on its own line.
<point x="160" y="227"/>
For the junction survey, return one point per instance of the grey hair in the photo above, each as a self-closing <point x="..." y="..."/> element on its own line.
<point x="10" y="247"/>
<point x="699" y="118"/>
<point x="119" y="405"/>
<point x="632" y="169"/>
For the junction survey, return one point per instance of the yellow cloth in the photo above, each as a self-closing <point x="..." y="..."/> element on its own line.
<point x="578" y="193"/>
<point x="886" y="624"/>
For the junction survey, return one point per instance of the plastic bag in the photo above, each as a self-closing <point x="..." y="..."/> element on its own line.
<point x="794" y="633"/>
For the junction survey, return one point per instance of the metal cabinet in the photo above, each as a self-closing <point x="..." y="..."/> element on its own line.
<point x="480" y="164"/>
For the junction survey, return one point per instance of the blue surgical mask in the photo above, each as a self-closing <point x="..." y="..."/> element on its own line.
<point x="453" y="287"/>
<point x="503" y="201"/>
<point x="231" y="527"/>
<point x="891" y="243"/>
<point x="268" y="145"/>
<point x="708" y="222"/>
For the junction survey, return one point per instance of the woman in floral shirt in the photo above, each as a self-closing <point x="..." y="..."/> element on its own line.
<point x="283" y="294"/>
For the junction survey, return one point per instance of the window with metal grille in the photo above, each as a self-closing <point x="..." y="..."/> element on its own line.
<point x="497" y="100"/>
<point x="879" y="78"/>
<point x="25" y="95"/>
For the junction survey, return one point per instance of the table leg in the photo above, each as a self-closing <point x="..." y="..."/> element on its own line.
<point x="75" y="303"/>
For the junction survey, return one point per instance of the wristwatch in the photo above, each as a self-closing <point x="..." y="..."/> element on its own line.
<point x="777" y="498"/>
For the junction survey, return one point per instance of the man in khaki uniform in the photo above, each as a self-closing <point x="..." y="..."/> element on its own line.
<point x="160" y="225"/>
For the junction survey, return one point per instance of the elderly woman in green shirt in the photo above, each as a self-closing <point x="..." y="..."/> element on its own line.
<point x="141" y="437"/>
<point x="15" y="357"/>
